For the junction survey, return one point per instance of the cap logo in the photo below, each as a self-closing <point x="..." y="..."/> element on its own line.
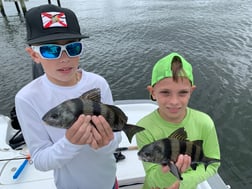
<point x="53" y="19"/>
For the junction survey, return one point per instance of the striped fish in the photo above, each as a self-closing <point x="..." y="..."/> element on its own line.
<point x="66" y="113"/>
<point x="166" y="151"/>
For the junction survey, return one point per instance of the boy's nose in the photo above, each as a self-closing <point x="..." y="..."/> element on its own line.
<point x="64" y="57"/>
<point x="174" y="99"/>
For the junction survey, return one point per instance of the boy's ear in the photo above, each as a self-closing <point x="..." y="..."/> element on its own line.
<point x="193" y="88"/>
<point x="150" y="89"/>
<point x="35" y="57"/>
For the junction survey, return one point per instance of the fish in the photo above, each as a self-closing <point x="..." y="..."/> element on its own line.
<point x="66" y="113"/>
<point x="166" y="151"/>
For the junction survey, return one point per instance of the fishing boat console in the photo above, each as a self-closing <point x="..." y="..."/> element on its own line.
<point x="18" y="172"/>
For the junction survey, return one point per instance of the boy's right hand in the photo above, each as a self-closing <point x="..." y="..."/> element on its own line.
<point x="80" y="132"/>
<point x="183" y="163"/>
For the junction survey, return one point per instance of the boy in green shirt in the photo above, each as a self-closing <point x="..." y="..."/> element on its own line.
<point x="171" y="86"/>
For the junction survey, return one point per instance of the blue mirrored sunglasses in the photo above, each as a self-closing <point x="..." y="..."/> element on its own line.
<point x="54" y="51"/>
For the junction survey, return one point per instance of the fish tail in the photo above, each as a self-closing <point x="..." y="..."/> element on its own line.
<point x="131" y="130"/>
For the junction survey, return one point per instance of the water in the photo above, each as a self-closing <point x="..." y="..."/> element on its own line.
<point x="128" y="37"/>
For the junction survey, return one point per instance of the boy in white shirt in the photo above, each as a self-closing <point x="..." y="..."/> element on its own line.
<point x="81" y="156"/>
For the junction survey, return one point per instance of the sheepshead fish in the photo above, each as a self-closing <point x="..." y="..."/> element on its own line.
<point x="166" y="151"/>
<point x="66" y="113"/>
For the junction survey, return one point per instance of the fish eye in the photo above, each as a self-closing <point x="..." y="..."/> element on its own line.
<point x="147" y="154"/>
<point x="55" y="116"/>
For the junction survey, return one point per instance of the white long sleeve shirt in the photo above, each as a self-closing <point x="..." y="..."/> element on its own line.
<point x="75" y="166"/>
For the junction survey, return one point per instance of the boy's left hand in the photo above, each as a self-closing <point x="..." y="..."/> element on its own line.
<point x="102" y="132"/>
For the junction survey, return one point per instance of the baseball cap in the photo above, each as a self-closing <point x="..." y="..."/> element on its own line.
<point x="48" y="23"/>
<point x="162" y="69"/>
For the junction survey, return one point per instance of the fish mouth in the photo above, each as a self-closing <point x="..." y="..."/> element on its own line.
<point x="45" y="123"/>
<point x="145" y="159"/>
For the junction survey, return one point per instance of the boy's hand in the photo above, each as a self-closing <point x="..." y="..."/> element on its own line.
<point x="183" y="163"/>
<point x="102" y="132"/>
<point x="81" y="131"/>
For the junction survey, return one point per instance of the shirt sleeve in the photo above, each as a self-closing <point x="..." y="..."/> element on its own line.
<point x="192" y="178"/>
<point x="46" y="154"/>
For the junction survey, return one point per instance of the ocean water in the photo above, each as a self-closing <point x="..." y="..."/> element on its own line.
<point x="128" y="37"/>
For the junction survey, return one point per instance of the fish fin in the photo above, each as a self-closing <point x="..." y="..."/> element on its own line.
<point x="131" y="130"/>
<point x="116" y="130"/>
<point x="207" y="161"/>
<point x="174" y="170"/>
<point x="93" y="94"/>
<point x="118" y="112"/>
<point x="194" y="166"/>
<point x="166" y="162"/>
<point x="198" y="143"/>
<point x="179" y="134"/>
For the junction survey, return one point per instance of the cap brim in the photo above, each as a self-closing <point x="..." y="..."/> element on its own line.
<point x="55" y="37"/>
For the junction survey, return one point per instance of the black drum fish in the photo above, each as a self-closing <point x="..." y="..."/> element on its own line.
<point x="166" y="151"/>
<point x="66" y="113"/>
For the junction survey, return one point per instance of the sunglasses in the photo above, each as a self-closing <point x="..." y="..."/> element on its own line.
<point x="53" y="51"/>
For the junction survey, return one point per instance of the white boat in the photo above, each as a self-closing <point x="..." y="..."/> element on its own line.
<point x="130" y="172"/>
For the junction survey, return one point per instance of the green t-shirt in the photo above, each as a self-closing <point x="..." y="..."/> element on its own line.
<point x="199" y="126"/>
